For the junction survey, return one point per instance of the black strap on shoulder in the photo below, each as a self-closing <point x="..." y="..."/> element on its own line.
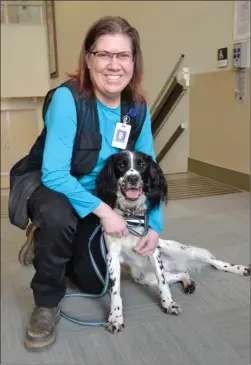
<point x="72" y="86"/>
<point x="86" y="108"/>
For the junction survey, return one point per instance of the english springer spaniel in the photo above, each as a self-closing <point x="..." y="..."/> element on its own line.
<point x="132" y="183"/>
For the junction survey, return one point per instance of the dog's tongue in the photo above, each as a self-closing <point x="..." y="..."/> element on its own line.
<point x="132" y="193"/>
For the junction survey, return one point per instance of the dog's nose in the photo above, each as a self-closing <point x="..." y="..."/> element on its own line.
<point x="133" y="179"/>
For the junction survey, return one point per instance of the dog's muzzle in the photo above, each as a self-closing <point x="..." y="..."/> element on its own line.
<point x="132" y="186"/>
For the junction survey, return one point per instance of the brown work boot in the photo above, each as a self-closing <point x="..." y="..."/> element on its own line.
<point x="26" y="253"/>
<point x="41" y="332"/>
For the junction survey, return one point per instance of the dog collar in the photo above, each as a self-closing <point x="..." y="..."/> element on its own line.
<point x="132" y="218"/>
<point x="136" y="220"/>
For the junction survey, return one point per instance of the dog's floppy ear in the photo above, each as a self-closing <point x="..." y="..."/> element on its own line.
<point x="106" y="183"/>
<point x="157" y="188"/>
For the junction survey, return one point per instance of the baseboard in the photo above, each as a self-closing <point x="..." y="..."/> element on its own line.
<point x="226" y="176"/>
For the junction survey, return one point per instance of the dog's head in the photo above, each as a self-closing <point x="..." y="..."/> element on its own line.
<point x="131" y="178"/>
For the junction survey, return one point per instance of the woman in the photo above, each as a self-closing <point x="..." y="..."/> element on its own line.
<point x="64" y="208"/>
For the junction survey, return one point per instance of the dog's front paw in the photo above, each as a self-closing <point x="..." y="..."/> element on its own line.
<point x="189" y="287"/>
<point x="171" y="308"/>
<point x="114" y="327"/>
<point x="115" y="324"/>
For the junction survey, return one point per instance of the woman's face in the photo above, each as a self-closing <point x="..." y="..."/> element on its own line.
<point x="111" y="73"/>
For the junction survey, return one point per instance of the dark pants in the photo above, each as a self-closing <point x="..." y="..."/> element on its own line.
<point x="61" y="248"/>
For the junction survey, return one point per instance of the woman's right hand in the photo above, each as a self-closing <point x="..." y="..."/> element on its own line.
<point x="112" y="222"/>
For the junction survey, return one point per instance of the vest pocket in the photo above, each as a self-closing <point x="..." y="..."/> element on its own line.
<point x="86" y="153"/>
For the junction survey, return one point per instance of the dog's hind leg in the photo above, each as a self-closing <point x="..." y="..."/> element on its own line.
<point x="183" y="277"/>
<point x="233" y="268"/>
<point x="206" y="257"/>
<point x="167" y="302"/>
<point x="197" y="257"/>
<point x="149" y="279"/>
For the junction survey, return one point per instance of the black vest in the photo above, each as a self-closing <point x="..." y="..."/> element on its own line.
<point x="25" y="175"/>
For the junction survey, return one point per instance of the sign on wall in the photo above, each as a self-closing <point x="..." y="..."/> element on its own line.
<point x="222" y="57"/>
<point x="241" y="20"/>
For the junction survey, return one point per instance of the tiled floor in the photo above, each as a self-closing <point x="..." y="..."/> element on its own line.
<point x="191" y="185"/>
<point x="213" y="329"/>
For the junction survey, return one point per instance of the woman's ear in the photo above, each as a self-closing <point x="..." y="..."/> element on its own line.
<point x="106" y="184"/>
<point x="87" y="59"/>
<point x="157" y="188"/>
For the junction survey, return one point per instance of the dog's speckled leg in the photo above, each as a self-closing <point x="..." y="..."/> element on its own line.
<point x="115" y="321"/>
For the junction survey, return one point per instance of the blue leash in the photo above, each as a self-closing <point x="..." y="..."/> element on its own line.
<point x="104" y="281"/>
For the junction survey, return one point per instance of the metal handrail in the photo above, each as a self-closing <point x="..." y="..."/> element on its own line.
<point x="163" y="108"/>
<point x="170" y="143"/>
<point x="163" y="94"/>
<point x="178" y="87"/>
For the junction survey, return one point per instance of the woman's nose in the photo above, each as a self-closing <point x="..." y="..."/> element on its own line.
<point x="114" y="63"/>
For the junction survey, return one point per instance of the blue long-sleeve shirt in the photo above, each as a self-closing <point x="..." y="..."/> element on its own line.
<point x="61" y="124"/>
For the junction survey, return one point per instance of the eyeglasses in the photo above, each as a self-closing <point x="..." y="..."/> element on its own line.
<point x="124" y="57"/>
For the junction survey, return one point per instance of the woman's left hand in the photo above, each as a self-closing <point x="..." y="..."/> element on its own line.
<point x="148" y="243"/>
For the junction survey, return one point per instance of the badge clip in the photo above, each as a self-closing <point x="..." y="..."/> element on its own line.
<point x="131" y="113"/>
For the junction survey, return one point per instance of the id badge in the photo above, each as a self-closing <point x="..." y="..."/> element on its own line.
<point x="121" y="135"/>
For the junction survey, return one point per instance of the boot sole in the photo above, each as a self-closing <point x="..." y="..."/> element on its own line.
<point x="34" y="344"/>
<point x="39" y="345"/>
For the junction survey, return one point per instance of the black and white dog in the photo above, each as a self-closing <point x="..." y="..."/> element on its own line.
<point x="130" y="183"/>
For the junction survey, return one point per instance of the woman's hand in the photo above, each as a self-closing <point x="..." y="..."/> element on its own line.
<point x="148" y="243"/>
<point x="112" y="222"/>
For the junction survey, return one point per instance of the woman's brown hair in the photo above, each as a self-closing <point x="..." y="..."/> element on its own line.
<point x="111" y="25"/>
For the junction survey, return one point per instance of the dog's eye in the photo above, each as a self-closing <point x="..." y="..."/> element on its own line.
<point x="121" y="165"/>
<point x="141" y="165"/>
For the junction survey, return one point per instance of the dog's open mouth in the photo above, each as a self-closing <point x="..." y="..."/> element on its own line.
<point x="132" y="193"/>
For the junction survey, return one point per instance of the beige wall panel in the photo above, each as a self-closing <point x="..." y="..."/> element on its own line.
<point x="5" y="154"/>
<point x="219" y="123"/>
<point x="73" y="18"/>
<point x="5" y="182"/>
<point x="24" y="131"/>
<point x="24" y="61"/>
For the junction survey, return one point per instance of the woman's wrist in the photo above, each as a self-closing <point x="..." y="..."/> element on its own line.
<point x="102" y="210"/>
